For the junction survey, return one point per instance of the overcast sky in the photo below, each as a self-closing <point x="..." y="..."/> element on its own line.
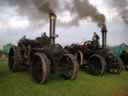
<point x="14" y="25"/>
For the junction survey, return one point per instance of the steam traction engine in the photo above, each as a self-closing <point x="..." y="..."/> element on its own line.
<point x="96" y="59"/>
<point x="43" y="57"/>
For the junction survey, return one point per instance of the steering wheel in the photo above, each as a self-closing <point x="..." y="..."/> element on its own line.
<point x="88" y="43"/>
<point x="73" y="45"/>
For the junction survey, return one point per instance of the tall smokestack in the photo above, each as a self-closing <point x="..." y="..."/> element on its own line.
<point x="52" y="17"/>
<point x="104" y="36"/>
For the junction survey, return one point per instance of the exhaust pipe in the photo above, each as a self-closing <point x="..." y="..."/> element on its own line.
<point x="104" y="36"/>
<point x="52" y="17"/>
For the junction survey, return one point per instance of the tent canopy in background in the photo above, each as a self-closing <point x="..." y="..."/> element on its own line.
<point x="117" y="50"/>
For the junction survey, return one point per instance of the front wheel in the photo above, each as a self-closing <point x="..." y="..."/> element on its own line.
<point x="40" y="68"/>
<point x="71" y="67"/>
<point x="117" y="69"/>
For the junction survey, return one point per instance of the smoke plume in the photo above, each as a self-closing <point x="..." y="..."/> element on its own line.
<point x="84" y="10"/>
<point x="121" y="7"/>
<point x="37" y="10"/>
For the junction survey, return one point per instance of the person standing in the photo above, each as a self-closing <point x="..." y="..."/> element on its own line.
<point x="95" y="40"/>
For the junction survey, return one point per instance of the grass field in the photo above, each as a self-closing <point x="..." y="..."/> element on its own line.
<point x="20" y="84"/>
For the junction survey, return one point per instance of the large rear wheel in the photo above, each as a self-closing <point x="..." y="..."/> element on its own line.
<point x="40" y="68"/>
<point x="79" y="56"/>
<point x="96" y="65"/>
<point x="15" y="59"/>
<point x="71" y="67"/>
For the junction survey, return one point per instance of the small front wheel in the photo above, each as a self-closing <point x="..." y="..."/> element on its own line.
<point x="40" y="68"/>
<point x="71" y="67"/>
<point x="96" y="65"/>
<point x="117" y="69"/>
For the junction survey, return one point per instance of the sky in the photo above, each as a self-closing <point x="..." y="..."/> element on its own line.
<point x="14" y="25"/>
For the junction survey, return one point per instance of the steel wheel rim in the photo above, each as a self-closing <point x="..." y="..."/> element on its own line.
<point x="38" y="69"/>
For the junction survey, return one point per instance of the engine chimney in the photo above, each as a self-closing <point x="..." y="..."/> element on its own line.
<point x="52" y="17"/>
<point x="104" y="36"/>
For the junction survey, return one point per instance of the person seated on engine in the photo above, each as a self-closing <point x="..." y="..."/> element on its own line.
<point x="23" y="38"/>
<point x="44" y="34"/>
<point x="44" y="39"/>
<point x="95" y="41"/>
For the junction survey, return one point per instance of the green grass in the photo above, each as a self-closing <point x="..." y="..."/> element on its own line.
<point x="20" y="84"/>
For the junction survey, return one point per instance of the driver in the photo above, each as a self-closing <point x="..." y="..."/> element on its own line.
<point x="44" y="34"/>
<point x="95" y="40"/>
<point x="23" y="38"/>
<point x="95" y="37"/>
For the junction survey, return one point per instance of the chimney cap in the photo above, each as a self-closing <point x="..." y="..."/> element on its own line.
<point x="51" y="13"/>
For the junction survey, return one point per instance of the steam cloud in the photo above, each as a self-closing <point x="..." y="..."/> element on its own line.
<point x="37" y="10"/>
<point x="121" y="7"/>
<point x="84" y="9"/>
